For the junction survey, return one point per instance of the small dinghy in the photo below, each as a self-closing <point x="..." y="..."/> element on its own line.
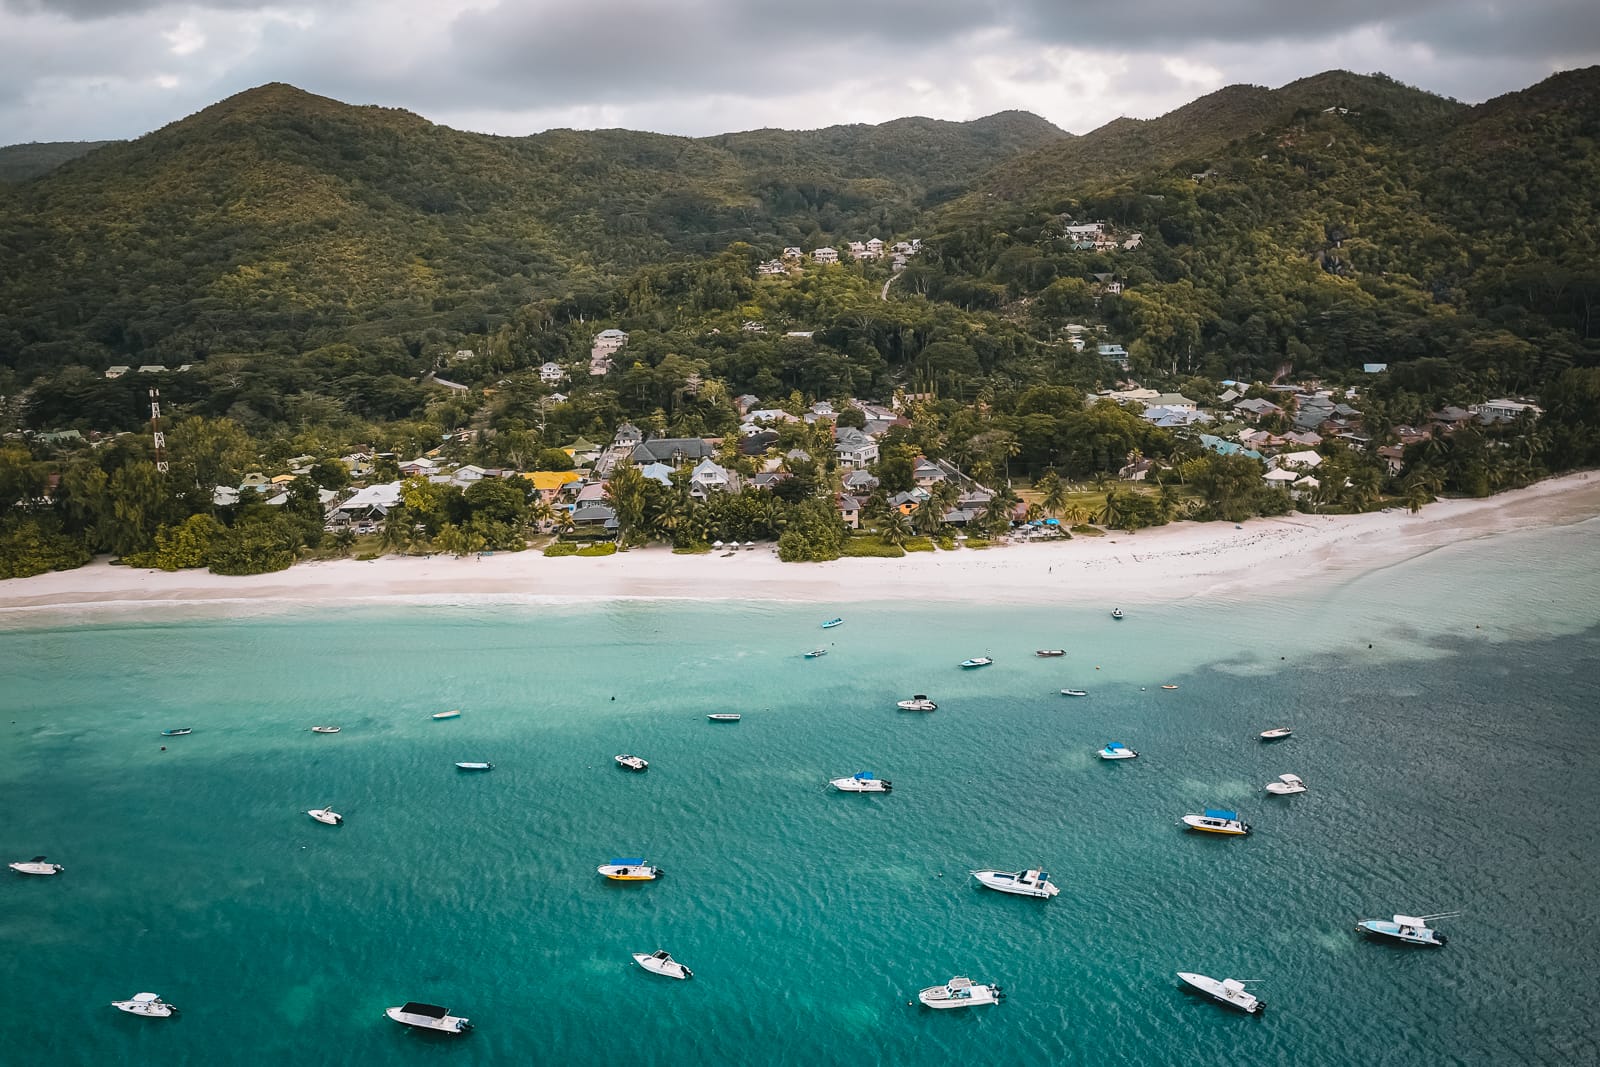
<point x="1117" y="750"/>
<point x="327" y="816"/>
<point x="1169" y="687"/>
<point x="1116" y="613"/>
<point x="438" y="715"/>
<point x="1277" y="733"/>
<point x="816" y="653"/>
<point x="864" y="782"/>
<point x="324" y="729"/>
<point x="629" y="869"/>
<point x="428" y="1017"/>
<point x="182" y="731"/>
<point x="1049" y="653"/>
<point x="485" y="766"/>
<point x="1074" y="692"/>
<point x="1409" y="929"/>
<point x="831" y="623"/>
<point x="960" y="993"/>
<point x="147" y="1004"/>
<point x="1033" y="883"/>
<point x="1286" y="785"/>
<point x="37" y="865"/>
<point x="976" y="661"/>
<point x="1229" y="991"/>
<point x="919" y="702"/>
<point x="724" y="716"/>
<point x="632" y="763"/>
<point x="661" y="962"/>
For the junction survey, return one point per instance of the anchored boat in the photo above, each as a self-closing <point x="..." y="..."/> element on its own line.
<point x="1277" y="733"/>
<point x="324" y="729"/>
<point x="632" y="763"/>
<point x="147" y="1004"/>
<point x="181" y="731"/>
<point x="629" y="869"/>
<point x="1217" y="821"/>
<point x="474" y="766"/>
<point x="1049" y="653"/>
<point x="1410" y="929"/>
<point x="1117" y="750"/>
<point x="452" y="714"/>
<point x="428" y="1017"/>
<point x="1074" y="692"/>
<point x="816" y="653"/>
<point x="1229" y="991"/>
<point x="1033" y="883"/>
<point x="831" y="623"/>
<point x="37" y="865"/>
<point x="327" y="816"/>
<point x="919" y="702"/>
<point x="976" y="661"/>
<point x="864" y="782"/>
<point x="1286" y="785"/>
<point x="661" y="962"/>
<point x="960" y="993"/>
<point x="724" y="716"/>
<point x="1116" y="613"/>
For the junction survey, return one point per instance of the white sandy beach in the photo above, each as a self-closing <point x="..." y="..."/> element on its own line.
<point x="1169" y="563"/>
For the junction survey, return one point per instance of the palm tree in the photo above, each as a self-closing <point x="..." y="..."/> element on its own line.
<point x="1053" y="494"/>
<point x="1111" y="513"/>
<point x="896" y="528"/>
<point x="928" y="520"/>
<point x="344" y="540"/>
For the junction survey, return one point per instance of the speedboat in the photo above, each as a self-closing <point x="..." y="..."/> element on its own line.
<point x="661" y="962"/>
<point x="831" y="623"/>
<point x="865" y="782"/>
<point x="1048" y="653"/>
<point x="976" y="661"/>
<point x="1116" y="613"/>
<point x="920" y="702"/>
<point x="632" y="763"/>
<point x="816" y="653"/>
<point x="1229" y="991"/>
<point x="326" y="815"/>
<point x="1074" y="692"/>
<point x="1169" y="687"/>
<point x="452" y="714"/>
<point x="960" y="993"/>
<point x="147" y="1004"/>
<point x="37" y="865"/>
<point x="179" y="732"/>
<point x="629" y="869"/>
<point x="1215" y="821"/>
<point x="724" y="716"/>
<point x="1411" y="929"/>
<point x="474" y="766"/>
<point x="1285" y="785"/>
<point x="1117" y="750"/>
<point x="1277" y="733"/>
<point x="324" y="729"/>
<point x="1022" y="883"/>
<point x="428" y="1017"/>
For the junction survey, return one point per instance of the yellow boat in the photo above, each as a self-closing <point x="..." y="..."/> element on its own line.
<point x="1213" y="821"/>
<point x="629" y="869"/>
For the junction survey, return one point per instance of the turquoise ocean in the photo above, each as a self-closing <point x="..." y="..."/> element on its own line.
<point x="1444" y="716"/>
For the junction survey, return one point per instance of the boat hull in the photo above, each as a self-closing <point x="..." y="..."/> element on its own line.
<point x="1050" y="653"/>
<point x="724" y="717"/>
<point x="324" y="729"/>
<point x="36" y="868"/>
<point x="1229" y="828"/>
<point x="149" y="1009"/>
<point x="327" y="818"/>
<point x="440" y="716"/>
<point x="474" y="766"/>
<point x="440" y="1024"/>
<point x="1021" y="885"/>
<point x="1210" y="987"/>
<point x="667" y="968"/>
<point x="941" y="998"/>
<point x="1385" y="931"/>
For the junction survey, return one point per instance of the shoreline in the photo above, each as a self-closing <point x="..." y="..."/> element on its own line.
<point x="1168" y="563"/>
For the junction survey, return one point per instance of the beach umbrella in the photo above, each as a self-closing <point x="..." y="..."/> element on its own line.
<point x="749" y="544"/>
<point x="716" y="544"/>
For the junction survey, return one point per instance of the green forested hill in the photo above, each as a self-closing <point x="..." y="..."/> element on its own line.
<point x="20" y="162"/>
<point x="281" y="220"/>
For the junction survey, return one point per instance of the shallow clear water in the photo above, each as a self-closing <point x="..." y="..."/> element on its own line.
<point x="1451" y="767"/>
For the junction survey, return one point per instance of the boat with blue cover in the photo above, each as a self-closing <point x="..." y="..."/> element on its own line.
<point x="831" y="623"/>
<point x="976" y="661"/>
<point x="1117" y="750"/>
<point x="1217" y="821"/>
<point x="816" y="653"/>
<point x="181" y="731"/>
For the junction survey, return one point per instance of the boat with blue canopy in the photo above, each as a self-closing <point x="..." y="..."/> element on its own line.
<point x="864" y="782"/>
<point x="1117" y="750"/>
<point x="831" y="623"/>
<point x="1217" y="821"/>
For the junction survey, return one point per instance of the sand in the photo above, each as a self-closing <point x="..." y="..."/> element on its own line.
<point x="1173" y="562"/>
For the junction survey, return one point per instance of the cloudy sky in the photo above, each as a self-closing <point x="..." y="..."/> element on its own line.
<point x="94" y="69"/>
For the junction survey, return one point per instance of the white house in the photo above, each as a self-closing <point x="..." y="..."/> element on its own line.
<point x="1302" y="461"/>
<point x="855" y="449"/>
<point x="771" y="268"/>
<point x="1497" y="410"/>
<point x="708" y="477"/>
<point x="825" y="255"/>
<point x="793" y="253"/>
<point x="551" y="373"/>
<point x="117" y="372"/>
<point x="857" y="250"/>
<point x="874" y="249"/>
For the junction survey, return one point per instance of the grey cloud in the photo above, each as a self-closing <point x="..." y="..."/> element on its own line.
<point x="88" y="10"/>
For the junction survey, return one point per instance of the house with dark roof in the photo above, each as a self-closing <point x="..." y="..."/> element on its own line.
<point x="672" y="450"/>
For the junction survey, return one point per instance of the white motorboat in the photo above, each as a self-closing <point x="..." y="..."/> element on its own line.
<point x="1285" y="785"/>
<point x="724" y="716"/>
<point x="864" y="782"/>
<point x="632" y="763"/>
<point x="1074" y="692"/>
<point x="452" y="714"/>
<point x="181" y="731"/>
<point x="475" y="766"/>
<point x="976" y="661"/>
<point x="1033" y="883"/>
<point x="1411" y="929"/>
<point x="428" y="1017"/>
<point x="1049" y="653"/>
<point x="960" y="993"/>
<point x="1216" y="821"/>
<point x="37" y="865"/>
<point x="1229" y="991"/>
<point x="147" y="1004"/>
<point x="326" y="815"/>
<point x="629" y="869"/>
<point x="324" y="729"/>
<point x="919" y="702"/>
<point x="661" y="962"/>
<point x="1116" y="613"/>
<point x="1277" y="733"/>
<point x="1117" y="750"/>
<point x="816" y="653"/>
